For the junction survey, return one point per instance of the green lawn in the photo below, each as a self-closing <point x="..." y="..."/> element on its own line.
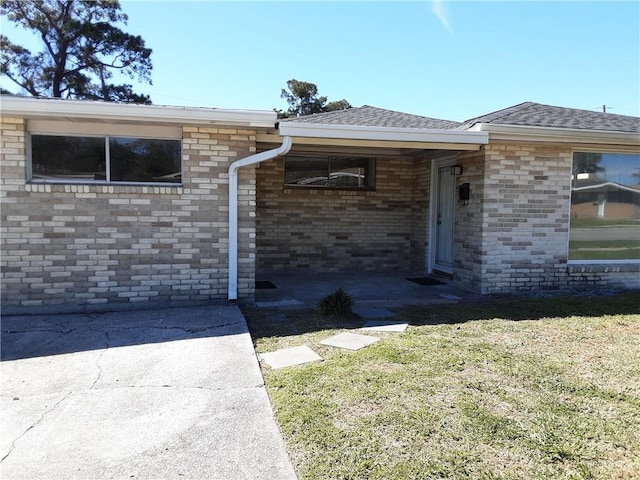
<point x="603" y="222"/>
<point x="544" y="388"/>
<point x="604" y="250"/>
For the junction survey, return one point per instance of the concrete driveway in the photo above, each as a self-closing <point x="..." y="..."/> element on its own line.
<point x="166" y="394"/>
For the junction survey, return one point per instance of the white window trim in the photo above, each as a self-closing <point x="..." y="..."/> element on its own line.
<point x="107" y="163"/>
<point x="604" y="262"/>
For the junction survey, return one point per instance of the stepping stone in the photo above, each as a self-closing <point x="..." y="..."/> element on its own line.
<point x="287" y="357"/>
<point x="450" y="297"/>
<point x="385" y="326"/>
<point x="373" y="312"/>
<point x="350" y="341"/>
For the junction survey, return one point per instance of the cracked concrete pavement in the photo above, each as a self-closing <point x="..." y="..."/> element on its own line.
<point x="171" y="393"/>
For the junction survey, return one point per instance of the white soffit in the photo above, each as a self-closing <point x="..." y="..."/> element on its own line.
<point x="353" y="132"/>
<point x="54" y="108"/>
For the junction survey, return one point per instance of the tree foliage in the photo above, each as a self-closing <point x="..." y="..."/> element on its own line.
<point x="585" y="162"/>
<point x="82" y="50"/>
<point x="303" y="99"/>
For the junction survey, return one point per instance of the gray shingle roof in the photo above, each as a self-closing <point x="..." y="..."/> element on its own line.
<point x="367" y="116"/>
<point x="526" y="114"/>
<point x="538" y="115"/>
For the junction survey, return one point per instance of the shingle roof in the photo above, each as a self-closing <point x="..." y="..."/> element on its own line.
<point x="539" y="115"/>
<point x="525" y="114"/>
<point x="367" y="116"/>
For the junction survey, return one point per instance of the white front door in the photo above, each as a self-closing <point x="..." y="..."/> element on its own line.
<point x="442" y="216"/>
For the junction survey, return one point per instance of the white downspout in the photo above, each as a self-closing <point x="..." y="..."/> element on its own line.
<point x="233" y="207"/>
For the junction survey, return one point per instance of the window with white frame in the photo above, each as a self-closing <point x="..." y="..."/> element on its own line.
<point x="116" y="154"/>
<point x="605" y="207"/>
<point x="329" y="172"/>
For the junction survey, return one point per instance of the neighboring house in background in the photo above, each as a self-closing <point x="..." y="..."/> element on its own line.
<point x="595" y="198"/>
<point x="105" y="203"/>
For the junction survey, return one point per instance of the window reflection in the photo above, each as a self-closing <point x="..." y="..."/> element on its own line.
<point x="605" y="207"/>
<point x="329" y="172"/>
<point x="115" y="159"/>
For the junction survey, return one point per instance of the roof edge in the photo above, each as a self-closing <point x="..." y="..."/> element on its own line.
<point x="353" y="132"/>
<point x="556" y="134"/>
<point x="31" y="107"/>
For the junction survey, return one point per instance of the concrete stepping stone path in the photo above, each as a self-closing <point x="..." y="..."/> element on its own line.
<point x="385" y="326"/>
<point x="450" y="297"/>
<point x="350" y="341"/>
<point x="287" y="357"/>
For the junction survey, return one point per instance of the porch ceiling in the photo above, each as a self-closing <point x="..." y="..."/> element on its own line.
<point x="346" y="150"/>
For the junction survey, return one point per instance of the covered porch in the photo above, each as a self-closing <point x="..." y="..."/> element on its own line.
<point x="400" y="215"/>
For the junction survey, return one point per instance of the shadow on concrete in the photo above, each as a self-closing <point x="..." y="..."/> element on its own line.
<point x="44" y="335"/>
<point x="274" y="322"/>
<point x="305" y="289"/>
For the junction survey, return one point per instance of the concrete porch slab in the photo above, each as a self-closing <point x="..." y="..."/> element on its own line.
<point x="350" y="341"/>
<point x="385" y="326"/>
<point x="280" y="303"/>
<point x="368" y="289"/>
<point x="287" y="357"/>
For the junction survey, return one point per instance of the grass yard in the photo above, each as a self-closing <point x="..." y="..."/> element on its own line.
<point x="603" y="222"/>
<point x="545" y="388"/>
<point x="604" y="250"/>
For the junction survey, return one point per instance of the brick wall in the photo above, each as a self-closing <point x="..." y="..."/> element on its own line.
<point x="467" y="249"/>
<point x="525" y="217"/>
<point x="511" y="236"/>
<point x="420" y="215"/>
<point x="514" y="234"/>
<point x="611" y="210"/>
<point x="341" y="230"/>
<point x="101" y="244"/>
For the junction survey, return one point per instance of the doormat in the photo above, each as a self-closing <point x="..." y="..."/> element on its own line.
<point x="425" y="281"/>
<point x="264" y="284"/>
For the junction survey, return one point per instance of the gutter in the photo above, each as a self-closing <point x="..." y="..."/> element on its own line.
<point x="358" y="132"/>
<point x="556" y="134"/>
<point x="233" y="207"/>
<point x="64" y="109"/>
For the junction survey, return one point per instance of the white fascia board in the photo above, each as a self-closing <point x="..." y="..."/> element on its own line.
<point x="606" y="184"/>
<point x="29" y="107"/>
<point x="353" y="132"/>
<point x="555" y="134"/>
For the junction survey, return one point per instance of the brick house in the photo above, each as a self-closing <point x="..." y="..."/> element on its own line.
<point x="107" y="203"/>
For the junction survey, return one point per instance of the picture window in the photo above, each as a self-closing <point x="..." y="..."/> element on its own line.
<point x="605" y="207"/>
<point x="105" y="159"/>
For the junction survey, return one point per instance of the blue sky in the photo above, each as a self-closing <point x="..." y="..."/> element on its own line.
<point x="444" y="59"/>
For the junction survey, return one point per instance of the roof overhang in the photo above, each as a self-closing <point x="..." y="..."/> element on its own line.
<point x="54" y="108"/>
<point x="522" y="133"/>
<point x="603" y="187"/>
<point x="382" y="136"/>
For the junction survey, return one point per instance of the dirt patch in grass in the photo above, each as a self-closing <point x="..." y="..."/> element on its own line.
<point x="526" y="388"/>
